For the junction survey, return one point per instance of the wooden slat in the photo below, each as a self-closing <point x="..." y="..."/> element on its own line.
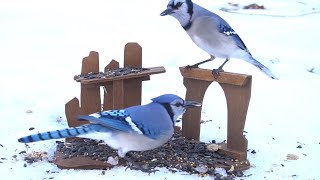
<point x="108" y="97"/>
<point x="132" y="88"/>
<point x="132" y="55"/>
<point x="206" y="75"/>
<point x="90" y="63"/>
<point x="153" y="70"/>
<point x="238" y="98"/>
<point x="90" y="94"/>
<point x="72" y="110"/>
<point x="192" y="117"/>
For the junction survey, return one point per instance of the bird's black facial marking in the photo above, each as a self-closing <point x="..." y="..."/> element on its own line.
<point x="175" y="6"/>
<point x="187" y="26"/>
<point x="169" y="110"/>
<point x="190" y="7"/>
<point x="178" y="5"/>
<point x="178" y="104"/>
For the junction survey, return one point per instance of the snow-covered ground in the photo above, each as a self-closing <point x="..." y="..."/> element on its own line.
<point x="42" y="44"/>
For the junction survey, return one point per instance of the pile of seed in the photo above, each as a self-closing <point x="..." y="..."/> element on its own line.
<point x="109" y="73"/>
<point x="178" y="154"/>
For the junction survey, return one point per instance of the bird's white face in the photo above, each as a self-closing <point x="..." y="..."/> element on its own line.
<point x="179" y="106"/>
<point x="180" y="9"/>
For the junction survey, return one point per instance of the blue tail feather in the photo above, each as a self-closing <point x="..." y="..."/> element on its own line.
<point x="64" y="133"/>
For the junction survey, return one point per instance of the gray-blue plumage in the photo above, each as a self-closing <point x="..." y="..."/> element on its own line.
<point x="212" y="34"/>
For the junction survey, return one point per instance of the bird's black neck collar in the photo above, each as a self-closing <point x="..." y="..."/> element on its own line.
<point x="169" y="110"/>
<point x="190" y="12"/>
<point x="187" y="26"/>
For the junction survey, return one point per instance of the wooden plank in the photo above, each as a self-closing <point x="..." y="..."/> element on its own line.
<point x="238" y="98"/>
<point x="108" y="97"/>
<point x="81" y="162"/>
<point x="132" y="55"/>
<point x="206" y="75"/>
<point x="132" y="88"/>
<point x="191" y="118"/>
<point x="150" y="71"/>
<point x="90" y="63"/>
<point x="118" y="97"/>
<point x="72" y="110"/>
<point x="90" y="94"/>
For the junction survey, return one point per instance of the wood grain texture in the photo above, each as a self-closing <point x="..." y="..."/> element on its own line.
<point x="108" y="97"/>
<point x="238" y="98"/>
<point x="206" y="75"/>
<point x="150" y="71"/>
<point x="237" y="90"/>
<point x="192" y="117"/>
<point x="90" y="93"/>
<point x="132" y="88"/>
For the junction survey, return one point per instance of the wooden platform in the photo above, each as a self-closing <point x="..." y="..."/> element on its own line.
<point x="237" y="90"/>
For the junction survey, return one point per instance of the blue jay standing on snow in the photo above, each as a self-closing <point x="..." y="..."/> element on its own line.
<point x="137" y="128"/>
<point x="212" y="34"/>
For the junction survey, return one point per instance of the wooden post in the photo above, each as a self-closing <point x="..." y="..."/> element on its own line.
<point x="191" y="119"/>
<point x="122" y="91"/>
<point x="237" y="89"/>
<point x="90" y="94"/>
<point x="133" y="87"/>
<point x="108" y="95"/>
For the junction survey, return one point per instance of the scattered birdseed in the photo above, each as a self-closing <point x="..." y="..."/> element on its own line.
<point x="35" y="156"/>
<point x="109" y="73"/>
<point x="178" y="154"/>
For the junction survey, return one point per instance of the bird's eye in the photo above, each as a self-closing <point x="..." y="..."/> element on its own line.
<point x="178" y="5"/>
<point x="178" y="104"/>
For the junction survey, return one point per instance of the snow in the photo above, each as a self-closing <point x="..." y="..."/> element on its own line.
<point x="42" y="44"/>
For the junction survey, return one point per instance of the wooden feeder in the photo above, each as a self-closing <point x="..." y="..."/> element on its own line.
<point x="122" y="91"/>
<point x="237" y="89"/>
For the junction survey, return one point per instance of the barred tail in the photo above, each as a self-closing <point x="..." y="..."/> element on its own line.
<point x="263" y="68"/>
<point x="64" y="133"/>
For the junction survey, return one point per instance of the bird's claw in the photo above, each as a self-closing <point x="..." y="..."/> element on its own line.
<point x="216" y="72"/>
<point x="192" y="66"/>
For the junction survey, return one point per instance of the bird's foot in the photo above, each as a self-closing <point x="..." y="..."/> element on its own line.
<point x="216" y="72"/>
<point x="196" y="65"/>
<point x="192" y="66"/>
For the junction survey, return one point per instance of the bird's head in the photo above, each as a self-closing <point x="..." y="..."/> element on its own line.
<point x="175" y="105"/>
<point x="182" y="10"/>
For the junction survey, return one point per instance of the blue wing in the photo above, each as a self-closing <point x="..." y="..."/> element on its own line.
<point x="226" y="29"/>
<point x="113" y="119"/>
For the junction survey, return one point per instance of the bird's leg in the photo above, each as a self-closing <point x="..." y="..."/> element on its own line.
<point x="136" y="166"/>
<point x="199" y="63"/>
<point x="216" y="72"/>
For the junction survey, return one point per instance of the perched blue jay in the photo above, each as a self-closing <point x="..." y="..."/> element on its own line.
<point x="137" y="128"/>
<point x="212" y="34"/>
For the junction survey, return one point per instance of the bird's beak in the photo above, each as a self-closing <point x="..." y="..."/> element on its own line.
<point x="191" y="104"/>
<point x="167" y="12"/>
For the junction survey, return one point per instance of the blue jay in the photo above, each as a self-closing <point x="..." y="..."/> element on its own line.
<point x="137" y="128"/>
<point x="212" y="34"/>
